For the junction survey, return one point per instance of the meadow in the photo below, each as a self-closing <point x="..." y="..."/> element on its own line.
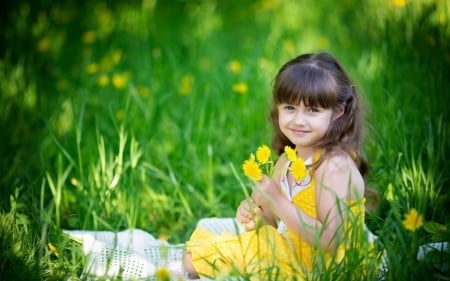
<point x="139" y="114"/>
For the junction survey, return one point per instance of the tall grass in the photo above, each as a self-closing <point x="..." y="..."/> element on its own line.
<point x="138" y="115"/>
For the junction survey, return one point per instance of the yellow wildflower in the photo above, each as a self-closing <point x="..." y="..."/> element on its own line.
<point x="117" y="56"/>
<point x="263" y="154"/>
<point x="53" y="249"/>
<point x="291" y="154"/>
<point x="235" y="66"/>
<point x="289" y="46"/>
<point x="240" y="88"/>
<point x="106" y="64"/>
<point x="119" y="81"/>
<point x="62" y="84"/>
<point x="103" y="80"/>
<point x="143" y="91"/>
<point x="413" y="220"/>
<point x="186" y="85"/>
<point x="298" y="169"/>
<point x="399" y="3"/>
<point x="89" y="37"/>
<point x="252" y="169"/>
<point x="120" y="115"/>
<point x="162" y="274"/>
<point x="324" y="43"/>
<point x="43" y="45"/>
<point x="92" y="68"/>
<point x="164" y="237"/>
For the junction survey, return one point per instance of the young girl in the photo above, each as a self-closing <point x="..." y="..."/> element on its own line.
<point x="309" y="224"/>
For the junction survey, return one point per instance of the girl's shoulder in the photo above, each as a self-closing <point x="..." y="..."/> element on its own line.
<point x="338" y="172"/>
<point x="336" y="160"/>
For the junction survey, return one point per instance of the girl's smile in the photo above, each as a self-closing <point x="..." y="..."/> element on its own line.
<point x="303" y="125"/>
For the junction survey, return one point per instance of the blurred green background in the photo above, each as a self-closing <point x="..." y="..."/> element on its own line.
<point x="121" y="114"/>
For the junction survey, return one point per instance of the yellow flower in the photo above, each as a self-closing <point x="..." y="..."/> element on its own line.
<point x="240" y="88"/>
<point x="164" y="237"/>
<point x="120" y="115"/>
<point x="298" y="169"/>
<point x="235" y="66"/>
<point x="143" y="91"/>
<point x="117" y="56"/>
<point x="119" y="81"/>
<point x="162" y="274"/>
<point x="103" y="80"/>
<point x="289" y="46"/>
<point x="263" y="154"/>
<point x="291" y="154"/>
<point x="252" y="169"/>
<point x="43" y="45"/>
<point x="53" y="249"/>
<point x="323" y="43"/>
<point x="399" y="3"/>
<point x="186" y="85"/>
<point x="413" y="220"/>
<point x="92" y="68"/>
<point x="89" y="37"/>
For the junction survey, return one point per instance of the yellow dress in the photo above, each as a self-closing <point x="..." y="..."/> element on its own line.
<point x="269" y="253"/>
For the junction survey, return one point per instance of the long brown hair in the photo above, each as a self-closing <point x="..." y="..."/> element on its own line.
<point x="320" y="80"/>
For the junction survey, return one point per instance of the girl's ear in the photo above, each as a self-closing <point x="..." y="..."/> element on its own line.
<point x="338" y="113"/>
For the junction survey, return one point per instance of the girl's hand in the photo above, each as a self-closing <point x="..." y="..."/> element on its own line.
<point x="266" y="192"/>
<point x="248" y="214"/>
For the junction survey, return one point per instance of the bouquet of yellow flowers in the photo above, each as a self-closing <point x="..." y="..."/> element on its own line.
<point x="253" y="167"/>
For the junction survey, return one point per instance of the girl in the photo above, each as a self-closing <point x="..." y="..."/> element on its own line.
<point x="307" y="225"/>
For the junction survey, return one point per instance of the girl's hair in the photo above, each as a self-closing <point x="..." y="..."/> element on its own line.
<point x="320" y="80"/>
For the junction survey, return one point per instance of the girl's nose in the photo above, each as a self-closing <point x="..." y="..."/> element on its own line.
<point x="299" y="118"/>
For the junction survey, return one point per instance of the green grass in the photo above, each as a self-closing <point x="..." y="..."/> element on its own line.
<point x="164" y="149"/>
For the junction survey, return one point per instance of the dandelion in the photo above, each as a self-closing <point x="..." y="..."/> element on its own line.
<point x="164" y="237"/>
<point x="103" y="80"/>
<point x="89" y="37"/>
<point x="62" y="84"/>
<point x="399" y="3"/>
<point x="252" y="169"/>
<point x="162" y="274"/>
<point x="291" y="154"/>
<point x="289" y="46"/>
<point x="413" y="220"/>
<point x="117" y="56"/>
<point x="120" y="115"/>
<point x="234" y="66"/>
<point x="74" y="181"/>
<point x="92" y="68"/>
<point x="240" y="88"/>
<point x="186" y="85"/>
<point x="53" y="249"/>
<point x="324" y="43"/>
<point x="106" y="64"/>
<point x="143" y="91"/>
<point x="119" y="81"/>
<point x="263" y="154"/>
<point x="298" y="169"/>
<point x="43" y="45"/>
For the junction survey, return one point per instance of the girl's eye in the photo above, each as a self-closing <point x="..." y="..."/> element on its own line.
<point x="313" y="109"/>
<point x="289" y="107"/>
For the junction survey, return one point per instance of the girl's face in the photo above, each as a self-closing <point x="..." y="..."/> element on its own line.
<point x="304" y="126"/>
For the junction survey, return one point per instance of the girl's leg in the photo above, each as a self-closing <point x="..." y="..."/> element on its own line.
<point x="188" y="267"/>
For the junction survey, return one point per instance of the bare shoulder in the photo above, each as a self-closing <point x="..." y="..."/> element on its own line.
<point x="339" y="172"/>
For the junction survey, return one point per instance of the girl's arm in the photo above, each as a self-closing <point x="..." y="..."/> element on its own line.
<point x="333" y="179"/>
